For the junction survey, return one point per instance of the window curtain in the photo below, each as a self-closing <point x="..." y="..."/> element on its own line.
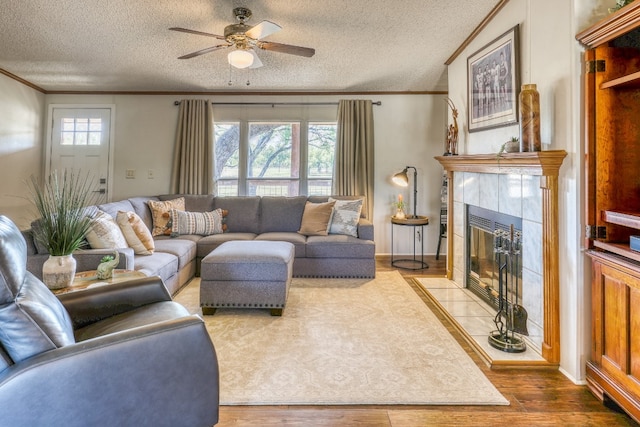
<point x="353" y="169"/>
<point x="193" y="154"/>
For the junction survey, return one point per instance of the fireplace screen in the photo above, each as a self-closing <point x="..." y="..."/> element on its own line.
<point x="483" y="266"/>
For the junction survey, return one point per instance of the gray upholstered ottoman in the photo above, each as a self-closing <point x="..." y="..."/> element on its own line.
<point x="247" y="274"/>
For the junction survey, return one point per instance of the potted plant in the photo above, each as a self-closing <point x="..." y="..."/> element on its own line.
<point x="399" y="205"/>
<point x="619" y="5"/>
<point x="60" y="202"/>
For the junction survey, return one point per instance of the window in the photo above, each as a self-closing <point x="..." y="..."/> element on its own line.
<point x="321" y="153"/>
<point x="274" y="158"/>
<point x="227" y="158"/>
<point x="81" y="131"/>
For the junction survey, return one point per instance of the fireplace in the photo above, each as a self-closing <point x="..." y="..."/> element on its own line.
<point x="485" y="228"/>
<point x="524" y="185"/>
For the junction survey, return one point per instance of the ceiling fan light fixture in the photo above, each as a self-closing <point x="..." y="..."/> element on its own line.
<point x="240" y="58"/>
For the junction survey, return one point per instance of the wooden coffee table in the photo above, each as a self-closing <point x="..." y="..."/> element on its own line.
<point x="89" y="279"/>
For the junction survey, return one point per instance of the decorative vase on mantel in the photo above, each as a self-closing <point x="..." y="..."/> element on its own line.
<point x="58" y="271"/>
<point x="529" y="118"/>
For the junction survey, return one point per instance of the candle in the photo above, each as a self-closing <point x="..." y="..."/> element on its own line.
<point x="399" y="197"/>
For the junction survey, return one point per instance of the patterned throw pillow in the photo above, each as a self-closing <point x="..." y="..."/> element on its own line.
<point x="104" y="233"/>
<point x="202" y="223"/>
<point x="160" y="212"/>
<point x="135" y="232"/>
<point x="316" y="218"/>
<point x="346" y="214"/>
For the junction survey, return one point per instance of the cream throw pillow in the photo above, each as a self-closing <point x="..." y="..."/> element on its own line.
<point x="160" y="212"/>
<point x="135" y="232"/>
<point x="104" y="233"/>
<point x="316" y="218"/>
<point x="346" y="214"/>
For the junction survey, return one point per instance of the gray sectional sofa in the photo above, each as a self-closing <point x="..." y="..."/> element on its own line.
<point x="177" y="259"/>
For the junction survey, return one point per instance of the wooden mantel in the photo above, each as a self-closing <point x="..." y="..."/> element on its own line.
<point x="545" y="164"/>
<point x="530" y="163"/>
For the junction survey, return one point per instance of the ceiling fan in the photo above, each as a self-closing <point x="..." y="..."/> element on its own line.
<point x="245" y="39"/>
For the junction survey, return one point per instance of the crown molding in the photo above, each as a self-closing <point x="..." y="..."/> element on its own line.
<point x="613" y="26"/>
<point x="217" y="93"/>
<point x="478" y="29"/>
<point x="23" y="81"/>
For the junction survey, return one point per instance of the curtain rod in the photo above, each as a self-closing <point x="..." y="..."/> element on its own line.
<point x="273" y="104"/>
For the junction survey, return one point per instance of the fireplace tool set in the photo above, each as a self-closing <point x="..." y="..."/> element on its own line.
<point x="511" y="319"/>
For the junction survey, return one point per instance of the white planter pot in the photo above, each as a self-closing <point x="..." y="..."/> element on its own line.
<point x="58" y="271"/>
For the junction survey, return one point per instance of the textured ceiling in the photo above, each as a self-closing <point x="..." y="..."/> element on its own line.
<point x="125" y="45"/>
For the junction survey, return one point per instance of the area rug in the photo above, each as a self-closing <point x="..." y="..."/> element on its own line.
<point x="342" y="342"/>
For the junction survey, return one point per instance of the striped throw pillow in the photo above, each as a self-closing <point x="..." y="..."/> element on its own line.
<point x="202" y="223"/>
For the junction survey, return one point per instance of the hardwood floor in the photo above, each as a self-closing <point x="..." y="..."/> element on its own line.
<point x="539" y="397"/>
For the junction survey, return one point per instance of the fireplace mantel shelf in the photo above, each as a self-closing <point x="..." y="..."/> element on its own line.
<point x="545" y="163"/>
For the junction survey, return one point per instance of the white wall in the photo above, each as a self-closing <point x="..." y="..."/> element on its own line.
<point x="551" y="58"/>
<point x="409" y="131"/>
<point x="21" y="118"/>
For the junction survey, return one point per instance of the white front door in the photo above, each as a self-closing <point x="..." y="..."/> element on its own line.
<point x="81" y="140"/>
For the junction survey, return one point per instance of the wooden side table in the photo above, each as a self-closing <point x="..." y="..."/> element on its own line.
<point x="413" y="263"/>
<point x="89" y="279"/>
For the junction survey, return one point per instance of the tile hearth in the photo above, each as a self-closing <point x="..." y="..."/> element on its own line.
<point x="474" y="317"/>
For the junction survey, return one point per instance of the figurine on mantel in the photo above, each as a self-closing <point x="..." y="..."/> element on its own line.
<point x="452" y="131"/>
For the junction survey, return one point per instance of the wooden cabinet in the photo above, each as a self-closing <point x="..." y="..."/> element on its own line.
<point x="613" y="370"/>
<point x="611" y="77"/>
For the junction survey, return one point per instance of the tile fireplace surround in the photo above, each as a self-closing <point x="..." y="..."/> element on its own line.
<point x="524" y="185"/>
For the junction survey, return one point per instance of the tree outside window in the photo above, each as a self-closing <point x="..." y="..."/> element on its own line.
<point x="321" y="154"/>
<point x="272" y="153"/>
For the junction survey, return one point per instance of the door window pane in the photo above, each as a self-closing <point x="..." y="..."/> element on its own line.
<point x="82" y="125"/>
<point x="67" y="138"/>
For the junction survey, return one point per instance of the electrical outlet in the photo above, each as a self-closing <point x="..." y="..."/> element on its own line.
<point x="130" y="174"/>
<point x="151" y="174"/>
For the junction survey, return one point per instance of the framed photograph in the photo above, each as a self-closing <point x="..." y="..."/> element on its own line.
<point x="493" y="83"/>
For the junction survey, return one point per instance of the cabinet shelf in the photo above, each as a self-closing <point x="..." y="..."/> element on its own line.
<point x="629" y="81"/>
<point x="627" y="219"/>
<point x="622" y="249"/>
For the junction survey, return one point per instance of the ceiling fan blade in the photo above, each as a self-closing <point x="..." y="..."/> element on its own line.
<point x="256" y="59"/>
<point x="203" y="51"/>
<point x="263" y="29"/>
<point x="287" y="48"/>
<point x="200" y="33"/>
